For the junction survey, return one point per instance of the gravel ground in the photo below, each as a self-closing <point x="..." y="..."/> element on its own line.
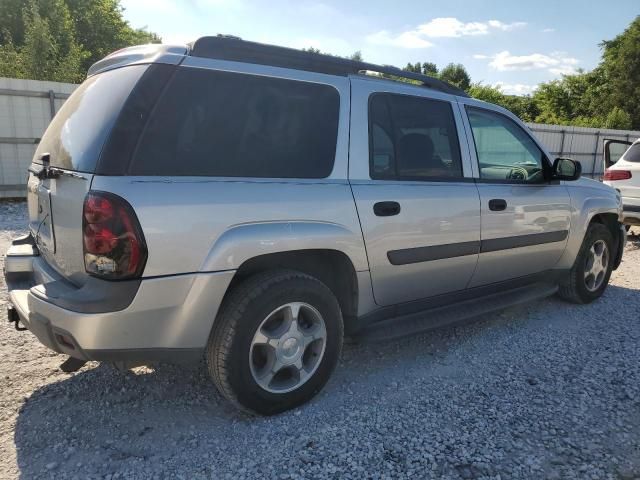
<point x="544" y="390"/>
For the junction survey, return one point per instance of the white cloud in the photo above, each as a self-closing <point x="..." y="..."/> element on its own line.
<point x="410" y="39"/>
<point x="555" y="62"/>
<point x="515" y="88"/>
<point x="506" y="26"/>
<point x="443" y="27"/>
<point x="452" y="27"/>
<point x="548" y="30"/>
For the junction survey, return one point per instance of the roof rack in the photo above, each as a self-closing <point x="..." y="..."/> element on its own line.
<point x="235" y="49"/>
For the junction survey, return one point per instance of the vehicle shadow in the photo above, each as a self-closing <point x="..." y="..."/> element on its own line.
<point x="99" y="421"/>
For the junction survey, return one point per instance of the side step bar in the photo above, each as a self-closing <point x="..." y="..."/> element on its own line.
<point x="441" y="316"/>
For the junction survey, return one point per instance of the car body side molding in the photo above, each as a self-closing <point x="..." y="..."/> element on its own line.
<point x="439" y="252"/>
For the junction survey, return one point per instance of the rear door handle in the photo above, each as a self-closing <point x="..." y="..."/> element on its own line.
<point x="497" y="205"/>
<point x="386" y="209"/>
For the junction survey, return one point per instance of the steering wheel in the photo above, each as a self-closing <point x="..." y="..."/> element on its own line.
<point x="518" y="173"/>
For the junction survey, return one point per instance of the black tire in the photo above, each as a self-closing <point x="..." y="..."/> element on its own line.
<point x="240" y="316"/>
<point x="575" y="290"/>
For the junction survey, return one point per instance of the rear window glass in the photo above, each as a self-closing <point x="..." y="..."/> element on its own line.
<point x="633" y="154"/>
<point x="78" y="131"/>
<point x="210" y="123"/>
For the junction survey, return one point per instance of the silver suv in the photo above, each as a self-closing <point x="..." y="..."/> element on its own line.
<point x="253" y="204"/>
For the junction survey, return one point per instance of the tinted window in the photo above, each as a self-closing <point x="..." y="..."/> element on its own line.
<point x="616" y="150"/>
<point x="76" y="134"/>
<point x="633" y="154"/>
<point x="235" y="125"/>
<point x="412" y="138"/>
<point x="504" y="150"/>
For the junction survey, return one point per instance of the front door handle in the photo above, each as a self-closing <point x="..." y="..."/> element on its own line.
<point x="497" y="205"/>
<point x="386" y="209"/>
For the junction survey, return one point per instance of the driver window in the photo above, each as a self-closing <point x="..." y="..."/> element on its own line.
<point x="504" y="150"/>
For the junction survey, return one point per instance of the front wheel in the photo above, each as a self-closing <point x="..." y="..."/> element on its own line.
<point x="591" y="271"/>
<point x="275" y="342"/>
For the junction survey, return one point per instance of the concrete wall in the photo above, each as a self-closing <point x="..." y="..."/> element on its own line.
<point x="26" y="108"/>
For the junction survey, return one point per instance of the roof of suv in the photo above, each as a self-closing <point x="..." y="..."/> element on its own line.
<point x="237" y="50"/>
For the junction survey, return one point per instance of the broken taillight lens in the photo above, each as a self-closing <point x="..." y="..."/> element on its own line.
<point x="114" y="247"/>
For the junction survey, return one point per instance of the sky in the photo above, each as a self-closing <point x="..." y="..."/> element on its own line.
<point x="512" y="44"/>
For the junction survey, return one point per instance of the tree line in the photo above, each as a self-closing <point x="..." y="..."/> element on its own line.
<point x="606" y="97"/>
<point x="59" y="40"/>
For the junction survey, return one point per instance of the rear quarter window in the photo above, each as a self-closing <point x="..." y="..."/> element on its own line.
<point x="76" y="135"/>
<point x="211" y="123"/>
<point x="633" y="154"/>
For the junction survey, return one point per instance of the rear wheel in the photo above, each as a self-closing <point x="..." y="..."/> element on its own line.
<point x="591" y="271"/>
<point x="275" y="342"/>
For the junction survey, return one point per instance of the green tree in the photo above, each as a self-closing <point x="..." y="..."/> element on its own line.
<point x="522" y="106"/>
<point x="456" y="74"/>
<point x="584" y="98"/>
<point x="426" y="68"/>
<point x="101" y="28"/>
<point x="487" y="93"/>
<point x="356" y="56"/>
<point x="621" y="68"/>
<point x="430" y="68"/>
<point x="414" y="68"/>
<point x="60" y="39"/>
<point x="619" y="119"/>
<point x="10" y="60"/>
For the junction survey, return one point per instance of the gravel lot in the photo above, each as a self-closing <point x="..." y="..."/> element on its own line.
<point x="544" y="390"/>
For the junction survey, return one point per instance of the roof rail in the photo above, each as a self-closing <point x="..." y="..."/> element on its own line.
<point x="235" y="49"/>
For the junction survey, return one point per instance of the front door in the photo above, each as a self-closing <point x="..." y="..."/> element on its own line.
<point x="418" y="205"/>
<point x="525" y="218"/>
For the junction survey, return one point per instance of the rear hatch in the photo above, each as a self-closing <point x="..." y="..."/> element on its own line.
<point x="73" y="144"/>
<point x="629" y="184"/>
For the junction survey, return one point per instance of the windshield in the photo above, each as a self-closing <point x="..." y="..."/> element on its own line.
<point x="76" y="134"/>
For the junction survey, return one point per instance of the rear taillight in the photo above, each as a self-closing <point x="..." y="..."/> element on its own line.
<point x="617" y="175"/>
<point x="114" y="247"/>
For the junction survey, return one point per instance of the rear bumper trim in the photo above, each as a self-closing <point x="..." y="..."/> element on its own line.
<point x="165" y="318"/>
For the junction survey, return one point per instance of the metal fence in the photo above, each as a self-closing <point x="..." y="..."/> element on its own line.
<point x="580" y="143"/>
<point x="27" y="107"/>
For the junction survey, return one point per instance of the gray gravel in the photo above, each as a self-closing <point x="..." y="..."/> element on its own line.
<point x="544" y="390"/>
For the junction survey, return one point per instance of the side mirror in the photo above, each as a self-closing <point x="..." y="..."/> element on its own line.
<point x="566" y="169"/>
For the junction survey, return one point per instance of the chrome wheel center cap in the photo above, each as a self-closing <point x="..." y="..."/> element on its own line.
<point x="290" y="348"/>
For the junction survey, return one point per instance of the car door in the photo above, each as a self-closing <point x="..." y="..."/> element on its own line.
<point x="417" y="203"/>
<point x="613" y="150"/>
<point x="525" y="218"/>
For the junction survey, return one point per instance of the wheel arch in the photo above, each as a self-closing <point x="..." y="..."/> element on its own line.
<point x="611" y="221"/>
<point x="332" y="267"/>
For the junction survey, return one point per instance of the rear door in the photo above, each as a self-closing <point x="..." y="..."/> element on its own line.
<point x="411" y="180"/>
<point x="72" y="145"/>
<point x="525" y="218"/>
